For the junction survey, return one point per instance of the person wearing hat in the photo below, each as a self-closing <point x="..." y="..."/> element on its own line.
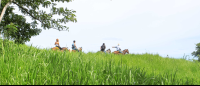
<point x="74" y="46"/>
<point x="118" y="48"/>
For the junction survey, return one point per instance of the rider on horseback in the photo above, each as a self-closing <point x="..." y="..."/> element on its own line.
<point x="118" y="48"/>
<point x="57" y="44"/>
<point x="103" y="47"/>
<point x="74" y="46"/>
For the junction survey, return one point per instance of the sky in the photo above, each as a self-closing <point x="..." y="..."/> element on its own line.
<point x="164" y="27"/>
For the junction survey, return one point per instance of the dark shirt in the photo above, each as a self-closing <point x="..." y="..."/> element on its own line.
<point x="104" y="48"/>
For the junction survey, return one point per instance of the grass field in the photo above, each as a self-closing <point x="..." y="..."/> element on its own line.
<point x="27" y="65"/>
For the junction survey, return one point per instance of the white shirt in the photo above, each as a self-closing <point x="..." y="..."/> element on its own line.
<point x="118" y="47"/>
<point x="56" y="44"/>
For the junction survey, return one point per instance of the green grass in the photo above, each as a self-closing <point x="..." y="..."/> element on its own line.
<point x="27" y="65"/>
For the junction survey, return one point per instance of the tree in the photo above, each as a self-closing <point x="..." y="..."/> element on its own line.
<point x="17" y="29"/>
<point x="197" y="52"/>
<point x="31" y="8"/>
<point x="14" y="27"/>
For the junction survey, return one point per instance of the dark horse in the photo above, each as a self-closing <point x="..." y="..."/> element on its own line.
<point x="107" y="51"/>
<point x="63" y="48"/>
<point x="123" y="52"/>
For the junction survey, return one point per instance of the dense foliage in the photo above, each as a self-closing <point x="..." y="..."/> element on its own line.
<point x="197" y="52"/>
<point x="31" y="8"/>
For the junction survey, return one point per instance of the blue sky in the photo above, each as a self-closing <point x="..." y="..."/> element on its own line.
<point x="164" y="27"/>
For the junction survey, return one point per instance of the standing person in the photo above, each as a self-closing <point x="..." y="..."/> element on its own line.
<point x="118" y="48"/>
<point x="74" y="46"/>
<point x="57" y="44"/>
<point x="103" y="47"/>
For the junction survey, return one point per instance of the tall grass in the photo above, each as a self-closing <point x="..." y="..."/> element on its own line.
<point x="27" y="65"/>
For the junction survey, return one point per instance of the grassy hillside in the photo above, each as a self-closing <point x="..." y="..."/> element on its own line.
<point x="22" y="65"/>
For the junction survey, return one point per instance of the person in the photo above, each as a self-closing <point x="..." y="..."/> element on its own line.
<point x="74" y="46"/>
<point x="103" y="47"/>
<point x="57" y="44"/>
<point x="118" y="48"/>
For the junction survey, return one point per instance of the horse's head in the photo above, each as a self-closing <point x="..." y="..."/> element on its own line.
<point x="109" y="51"/>
<point x="126" y="51"/>
<point x="80" y="48"/>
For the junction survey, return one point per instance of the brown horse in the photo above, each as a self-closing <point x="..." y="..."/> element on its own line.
<point x="63" y="49"/>
<point x="80" y="49"/>
<point x="123" y="52"/>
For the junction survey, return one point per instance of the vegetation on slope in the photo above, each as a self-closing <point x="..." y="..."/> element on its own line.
<point x="27" y="65"/>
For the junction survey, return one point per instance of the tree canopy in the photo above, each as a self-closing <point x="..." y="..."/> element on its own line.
<point x="17" y="29"/>
<point x="32" y="9"/>
<point x="197" y="52"/>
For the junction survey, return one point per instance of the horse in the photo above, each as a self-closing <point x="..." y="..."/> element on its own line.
<point x="80" y="49"/>
<point x="123" y="52"/>
<point x="63" y="48"/>
<point x="107" y="51"/>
